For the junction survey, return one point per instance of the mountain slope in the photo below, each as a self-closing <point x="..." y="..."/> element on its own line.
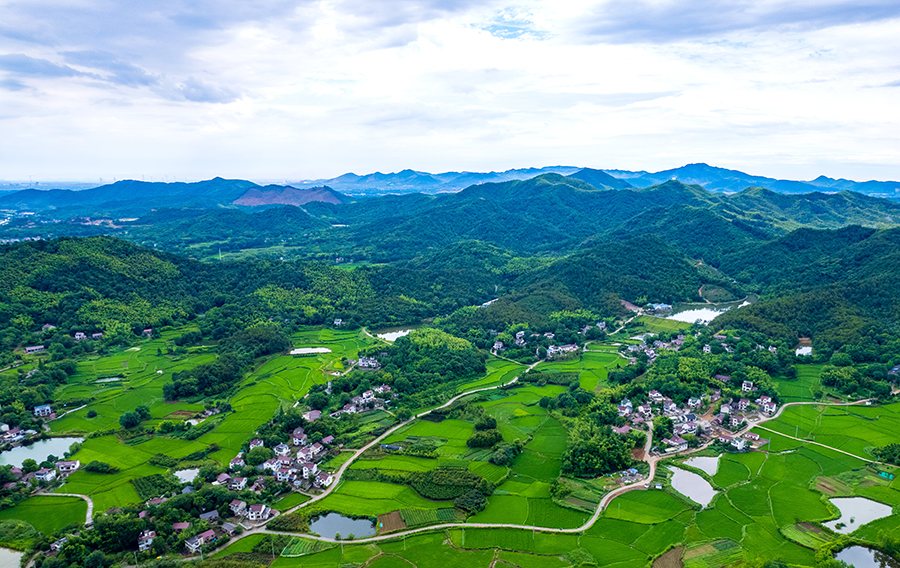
<point x="286" y="195"/>
<point x="600" y="179"/>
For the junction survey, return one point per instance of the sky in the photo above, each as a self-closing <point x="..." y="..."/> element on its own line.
<point x="187" y="90"/>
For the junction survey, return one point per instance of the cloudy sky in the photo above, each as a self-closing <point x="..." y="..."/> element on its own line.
<point x="181" y="89"/>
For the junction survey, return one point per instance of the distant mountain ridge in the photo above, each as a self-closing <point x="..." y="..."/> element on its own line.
<point x="130" y="197"/>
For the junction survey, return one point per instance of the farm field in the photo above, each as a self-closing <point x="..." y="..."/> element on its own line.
<point x="803" y="387"/>
<point x="592" y="367"/>
<point x="47" y="514"/>
<point x="142" y="370"/>
<point x="853" y="429"/>
<point x="655" y="325"/>
<point x="499" y="371"/>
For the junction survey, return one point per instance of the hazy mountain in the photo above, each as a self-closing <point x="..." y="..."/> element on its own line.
<point x="281" y="195"/>
<point x="725" y="180"/>
<point x="410" y="181"/>
<point x="130" y="196"/>
<point x="600" y="179"/>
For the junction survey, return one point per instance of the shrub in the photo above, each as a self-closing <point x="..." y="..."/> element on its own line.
<point x="472" y="501"/>
<point x="92" y="414"/>
<point x="100" y="467"/>
<point x="484" y="439"/>
<point x="448" y="483"/>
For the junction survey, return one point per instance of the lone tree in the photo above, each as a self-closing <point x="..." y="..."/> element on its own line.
<point x="130" y="420"/>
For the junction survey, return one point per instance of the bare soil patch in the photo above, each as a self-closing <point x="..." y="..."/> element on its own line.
<point x="390" y="522"/>
<point x="671" y="559"/>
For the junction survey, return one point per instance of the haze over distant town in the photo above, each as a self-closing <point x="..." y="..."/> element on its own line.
<point x="294" y="91"/>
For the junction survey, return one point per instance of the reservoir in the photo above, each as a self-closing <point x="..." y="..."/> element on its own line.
<point x="38" y="451"/>
<point x="855" y="512"/>
<point x="707" y="465"/>
<point x="692" y="486"/>
<point x="862" y="557"/>
<point x="394" y="333"/>
<point x="9" y="558"/>
<point x="333" y="524"/>
<point x="690" y="316"/>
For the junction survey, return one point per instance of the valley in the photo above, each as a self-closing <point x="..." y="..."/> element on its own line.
<point x="489" y="376"/>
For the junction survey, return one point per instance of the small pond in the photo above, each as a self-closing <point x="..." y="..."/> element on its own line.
<point x="707" y="465"/>
<point x="862" y="557"/>
<point x="394" y="333"/>
<point x="109" y="380"/>
<point x="855" y="512"/>
<point x="38" y="451"/>
<point x="9" y="558"/>
<point x="333" y="524"/>
<point x="187" y="475"/>
<point x="692" y="486"/>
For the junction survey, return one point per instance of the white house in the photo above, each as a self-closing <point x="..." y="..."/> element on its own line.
<point x="45" y="474"/>
<point x="747" y="386"/>
<point x="238" y="483"/>
<point x="256" y="444"/>
<point x="67" y="467"/>
<point x="43" y="410"/>
<point x="738" y="444"/>
<point x="258" y="512"/>
<point x="145" y="540"/>
<point x="309" y="469"/>
<point x="238" y="507"/>
<point x="282" y="450"/>
<point x="324" y="479"/>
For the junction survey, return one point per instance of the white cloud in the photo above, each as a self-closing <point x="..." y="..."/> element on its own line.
<point x="313" y="89"/>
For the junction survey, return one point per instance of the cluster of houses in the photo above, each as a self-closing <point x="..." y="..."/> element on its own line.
<point x="365" y="402"/>
<point x="552" y="350"/>
<point x="368" y="364"/>
<point x="652" y="349"/>
<point x="81" y="336"/>
<point x="296" y="464"/>
<point x="559" y="350"/>
<point x="61" y="469"/>
<point x="688" y="420"/>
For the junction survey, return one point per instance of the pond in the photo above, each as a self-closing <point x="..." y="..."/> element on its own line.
<point x="394" y="333"/>
<point x="855" y="512"/>
<point x="707" y="465"/>
<point x="109" y="380"/>
<point x="38" y="451"/>
<point x="9" y="558"/>
<point x="187" y="475"/>
<point x="692" y="486"/>
<point x="690" y="316"/>
<point x="333" y="524"/>
<point x="862" y="557"/>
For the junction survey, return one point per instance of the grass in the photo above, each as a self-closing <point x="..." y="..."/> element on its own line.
<point x="289" y="501"/>
<point x="48" y="514"/>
